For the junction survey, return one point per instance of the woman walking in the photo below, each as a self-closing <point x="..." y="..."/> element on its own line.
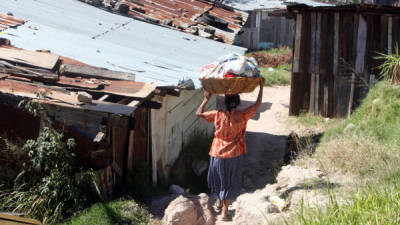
<point x="227" y="149"/>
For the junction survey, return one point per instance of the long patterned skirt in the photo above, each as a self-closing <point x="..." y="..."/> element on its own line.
<point x="225" y="177"/>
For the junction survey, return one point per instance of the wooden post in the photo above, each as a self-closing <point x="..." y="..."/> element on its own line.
<point x="317" y="62"/>
<point x="131" y="150"/>
<point x="316" y="112"/>
<point x="390" y="22"/>
<point x="351" y="95"/>
<point x="335" y="58"/>
<point x="313" y="68"/>
<point x="312" y="94"/>
<point x="326" y="95"/>
<point x="294" y="106"/>
<point x="296" y="55"/>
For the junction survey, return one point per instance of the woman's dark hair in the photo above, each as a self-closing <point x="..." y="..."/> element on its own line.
<point x="231" y="101"/>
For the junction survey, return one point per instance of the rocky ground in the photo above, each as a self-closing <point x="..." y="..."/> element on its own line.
<point x="271" y="190"/>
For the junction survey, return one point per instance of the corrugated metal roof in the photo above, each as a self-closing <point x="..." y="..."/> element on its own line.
<point x="187" y="15"/>
<point x="7" y="21"/>
<point x="99" y="38"/>
<point x="24" y="80"/>
<point x="249" y="5"/>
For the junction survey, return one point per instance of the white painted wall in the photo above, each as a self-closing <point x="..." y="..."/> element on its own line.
<point x="172" y="125"/>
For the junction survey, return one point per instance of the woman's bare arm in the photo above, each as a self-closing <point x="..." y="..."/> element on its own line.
<point x="259" y="98"/>
<point x="200" y="110"/>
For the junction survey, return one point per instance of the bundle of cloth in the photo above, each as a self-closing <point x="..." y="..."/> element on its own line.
<point x="231" y="65"/>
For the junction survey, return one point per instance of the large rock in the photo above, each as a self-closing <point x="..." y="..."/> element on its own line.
<point x="293" y="185"/>
<point x="189" y="209"/>
<point x="181" y="211"/>
<point x="207" y="216"/>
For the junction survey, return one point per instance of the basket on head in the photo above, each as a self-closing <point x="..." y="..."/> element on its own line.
<point x="230" y="85"/>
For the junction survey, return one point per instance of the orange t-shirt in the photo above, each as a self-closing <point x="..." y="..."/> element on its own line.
<point x="230" y="129"/>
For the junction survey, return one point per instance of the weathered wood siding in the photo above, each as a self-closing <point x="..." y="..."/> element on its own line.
<point x="263" y="26"/>
<point x="334" y="58"/>
<point x="171" y="127"/>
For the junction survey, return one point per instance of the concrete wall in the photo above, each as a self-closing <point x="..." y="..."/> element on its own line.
<point x="172" y="125"/>
<point x="263" y="29"/>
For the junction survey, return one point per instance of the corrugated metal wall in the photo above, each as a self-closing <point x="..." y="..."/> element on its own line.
<point x="332" y="49"/>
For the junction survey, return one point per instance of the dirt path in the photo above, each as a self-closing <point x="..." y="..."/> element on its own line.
<point x="266" y="141"/>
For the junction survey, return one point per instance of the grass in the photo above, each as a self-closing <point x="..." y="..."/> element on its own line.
<point x="279" y="60"/>
<point x="310" y="120"/>
<point x="114" y="212"/>
<point x="273" y="51"/>
<point x="279" y="76"/>
<point x="370" y="205"/>
<point x="370" y="153"/>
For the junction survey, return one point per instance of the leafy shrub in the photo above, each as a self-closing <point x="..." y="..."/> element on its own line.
<point x="390" y="68"/>
<point x="48" y="187"/>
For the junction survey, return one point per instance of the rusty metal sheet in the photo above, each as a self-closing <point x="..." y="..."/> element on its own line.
<point x="185" y="15"/>
<point x="80" y="82"/>
<point x="31" y="91"/>
<point x="117" y="87"/>
<point x="7" y="21"/>
<point x="129" y="88"/>
<point x="97" y="106"/>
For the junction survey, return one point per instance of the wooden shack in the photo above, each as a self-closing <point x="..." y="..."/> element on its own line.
<point x="106" y="112"/>
<point x="266" y="28"/>
<point x="334" y="57"/>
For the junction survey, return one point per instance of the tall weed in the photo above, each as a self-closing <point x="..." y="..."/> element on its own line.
<point x="50" y="185"/>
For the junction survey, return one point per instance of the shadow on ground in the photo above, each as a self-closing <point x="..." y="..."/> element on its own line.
<point x="267" y="153"/>
<point x="263" y="160"/>
<point x="313" y="185"/>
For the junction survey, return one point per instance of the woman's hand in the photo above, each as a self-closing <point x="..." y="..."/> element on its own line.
<point x="207" y="95"/>
<point x="200" y="110"/>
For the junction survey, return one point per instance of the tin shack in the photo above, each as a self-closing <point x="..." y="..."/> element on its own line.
<point x="153" y="89"/>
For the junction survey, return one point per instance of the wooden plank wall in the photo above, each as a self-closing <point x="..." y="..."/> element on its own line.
<point x="326" y="46"/>
<point x="139" y="139"/>
<point x="300" y="92"/>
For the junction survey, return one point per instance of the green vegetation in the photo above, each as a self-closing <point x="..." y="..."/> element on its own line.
<point x="114" y="212"/>
<point x="283" y="50"/>
<point x="279" y="76"/>
<point x="278" y="60"/>
<point x="47" y="186"/>
<point x="369" y="152"/>
<point x="390" y="69"/>
<point x="311" y="120"/>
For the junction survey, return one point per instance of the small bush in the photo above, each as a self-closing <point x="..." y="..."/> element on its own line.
<point x="390" y="68"/>
<point x="276" y="77"/>
<point x="48" y="186"/>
